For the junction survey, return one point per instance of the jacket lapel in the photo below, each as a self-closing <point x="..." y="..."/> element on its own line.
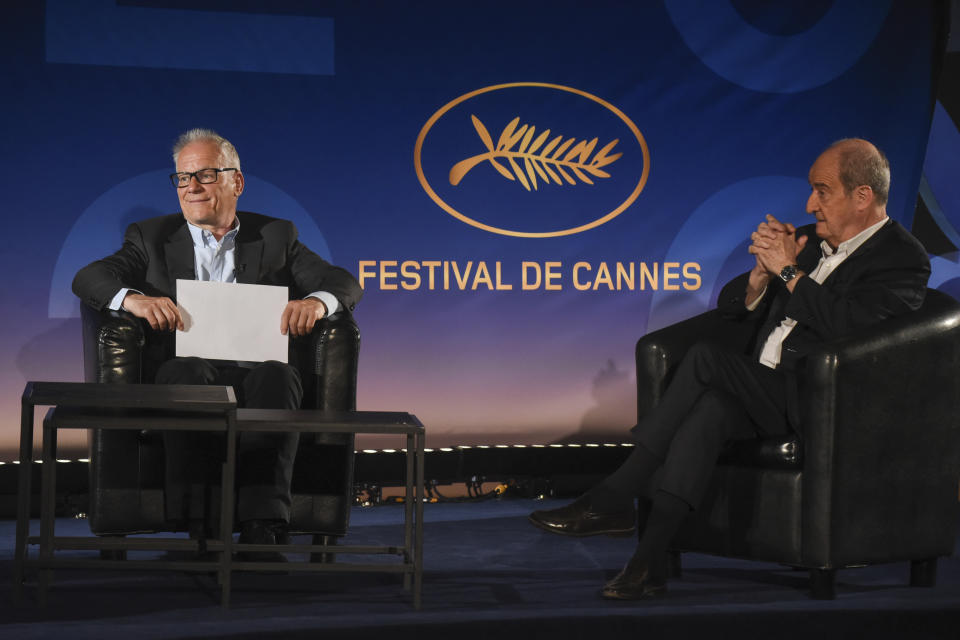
<point x="178" y="252"/>
<point x="249" y="253"/>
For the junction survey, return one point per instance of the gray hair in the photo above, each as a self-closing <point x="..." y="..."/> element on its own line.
<point x="861" y="163"/>
<point x="228" y="153"/>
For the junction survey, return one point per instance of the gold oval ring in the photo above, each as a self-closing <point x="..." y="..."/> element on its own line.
<point x="529" y="234"/>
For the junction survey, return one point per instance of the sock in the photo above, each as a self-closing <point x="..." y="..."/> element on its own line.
<point x="667" y="513"/>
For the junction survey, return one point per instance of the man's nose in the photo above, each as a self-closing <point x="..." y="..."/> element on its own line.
<point x="811" y="204"/>
<point x="194" y="184"/>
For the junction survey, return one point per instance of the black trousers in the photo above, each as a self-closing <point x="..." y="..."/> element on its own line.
<point x="716" y="395"/>
<point x="264" y="460"/>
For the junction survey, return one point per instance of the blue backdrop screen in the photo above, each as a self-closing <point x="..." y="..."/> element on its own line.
<point x="523" y="188"/>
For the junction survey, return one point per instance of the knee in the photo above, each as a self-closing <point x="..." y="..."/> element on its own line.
<point x="705" y="358"/>
<point x="186" y="371"/>
<point x="274" y="370"/>
<point x="702" y="352"/>
<point x="713" y="402"/>
<point x="724" y="418"/>
<point x="273" y="385"/>
<point x="720" y="415"/>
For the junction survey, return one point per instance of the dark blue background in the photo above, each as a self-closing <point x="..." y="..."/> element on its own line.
<point x="325" y="100"/>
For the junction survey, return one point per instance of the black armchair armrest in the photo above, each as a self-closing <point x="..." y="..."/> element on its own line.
<point x="112" y="343"/>
<point x="876" y="411"/>
<point x="114" y="351"/>
<point x="327" y="361"/>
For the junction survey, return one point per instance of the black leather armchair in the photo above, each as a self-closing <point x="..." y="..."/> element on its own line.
<point x="874" y="476"/>
<point x="127" y="467"/>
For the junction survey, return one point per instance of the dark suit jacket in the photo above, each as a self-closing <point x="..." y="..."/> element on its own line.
<point x="886" y="276"/>
<point x="158" y="251"/>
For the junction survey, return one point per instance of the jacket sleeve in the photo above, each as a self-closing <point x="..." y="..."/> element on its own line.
<point x="98" y="282"/>
<point x="881" y="293"/>
<point x="894" y="283"/>
<point x="312" y="273"/>
<point x="731" y="303"/>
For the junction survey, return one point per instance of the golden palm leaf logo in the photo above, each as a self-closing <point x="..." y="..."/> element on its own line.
<point x="555" y="160"/>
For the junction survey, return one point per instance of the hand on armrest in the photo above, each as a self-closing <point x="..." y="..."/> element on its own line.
<point x="161" y="313"/>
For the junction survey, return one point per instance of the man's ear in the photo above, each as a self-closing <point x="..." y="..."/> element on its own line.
<point x="238" y="182"/>
<point x="863" y="195"/>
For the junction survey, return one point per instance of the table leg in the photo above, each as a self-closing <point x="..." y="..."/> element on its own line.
<point x="23" y="497"/>
<point x="408" y="507"/>
<point x="226" y="509"/>
<point x="418" y="536"/>
<point x="48" y="498"/>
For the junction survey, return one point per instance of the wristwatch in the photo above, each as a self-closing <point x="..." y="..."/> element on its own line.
<point x="789" y="272"/>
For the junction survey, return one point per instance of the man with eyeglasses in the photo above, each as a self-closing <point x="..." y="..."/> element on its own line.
<point x="210" y="240"/>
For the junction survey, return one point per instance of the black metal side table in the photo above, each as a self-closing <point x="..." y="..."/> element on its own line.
<point x="80" y="405"/>
<point x="356" y="422"/>
<point x="208" y="408"/>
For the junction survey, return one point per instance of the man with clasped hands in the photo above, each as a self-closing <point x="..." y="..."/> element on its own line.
<point x="859" y="269"/>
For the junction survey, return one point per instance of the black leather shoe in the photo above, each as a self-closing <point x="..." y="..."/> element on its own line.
<point x="579" y="519"/>
<point x="262" y="532"/>
<point x="634" y="582"/>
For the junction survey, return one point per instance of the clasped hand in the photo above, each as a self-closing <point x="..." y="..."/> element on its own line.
<point x="161" y="313"/>
<point x="775" y="245"/>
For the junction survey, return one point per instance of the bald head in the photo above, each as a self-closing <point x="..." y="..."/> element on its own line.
<point x="849" y="184"/>
<point x="861" y="163"/>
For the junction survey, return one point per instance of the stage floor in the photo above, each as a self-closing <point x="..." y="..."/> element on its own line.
<point x="487" y="573"/>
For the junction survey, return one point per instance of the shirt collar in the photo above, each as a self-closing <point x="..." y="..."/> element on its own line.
<point x="203" y="238"/>
<point x="849" y="246"/>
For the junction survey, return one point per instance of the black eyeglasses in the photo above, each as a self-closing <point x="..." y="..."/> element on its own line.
<point x="203" y="176"/>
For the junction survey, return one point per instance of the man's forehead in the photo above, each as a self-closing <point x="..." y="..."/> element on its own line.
<point x="825" y="170"/>
<point x="203" y="151"/>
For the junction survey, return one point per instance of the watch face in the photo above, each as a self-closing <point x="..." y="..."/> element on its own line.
<point x="789" y="273"/>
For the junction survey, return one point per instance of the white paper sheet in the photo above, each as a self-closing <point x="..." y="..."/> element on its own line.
<point x="231" y="321"/>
